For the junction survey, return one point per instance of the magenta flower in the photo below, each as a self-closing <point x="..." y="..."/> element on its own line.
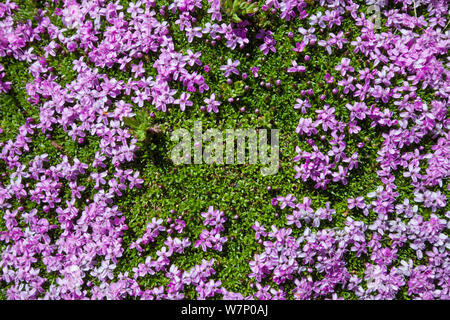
<point x="230" y="67"/>
<point x="299" y="47"/>
<point x="296" y="68"/>
<point x="254" y="71"/>
<point x="269" y="42"/>
<point x="99" y="178"/>
<point x="212" y="103"/>
<point x="344" y="67"/>
<point x="308" y="35"/>
<point x="184" y="101"/>
<point x="328" y="78"/>
<point x="302" y="105"/>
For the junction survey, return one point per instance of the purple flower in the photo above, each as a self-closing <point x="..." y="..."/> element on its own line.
<point x="296" y="68"/>
<point x="302" y="105"/>
<point x="299" y="47"/>
<point x="184" y="101"/>
<point x="254" y="71"/>
<point x="99" y="178"/>
<point x="212" y="104"/>
<point x="328" y="78"/>
<point x="344" y="67"/>
<point x="269" y="42"/>
<point x="230" y="67"/>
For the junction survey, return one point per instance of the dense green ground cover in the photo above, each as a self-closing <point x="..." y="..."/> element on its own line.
<point x="240" y="190"/>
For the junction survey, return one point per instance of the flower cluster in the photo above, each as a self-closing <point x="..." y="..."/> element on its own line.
<point x="4" y="85"/>
<point x="212" y="238"/>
